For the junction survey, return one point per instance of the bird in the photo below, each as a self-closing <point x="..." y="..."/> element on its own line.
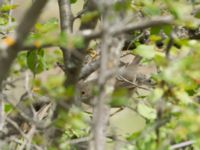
<point x="130" y="76"/>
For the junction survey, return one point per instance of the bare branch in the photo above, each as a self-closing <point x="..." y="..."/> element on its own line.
<point x="66" y="16"/>
<point x="133" y="84"/>
<point x="15" y="125"/>
<point x="33" y="47"/>
<point x="128" y="28"/>
<point x="89" y="68"/>
<point x="182" y="145"/>
<point x="80" y="13"/>
<point x="73" y="63"/>
<point x="109" y="59"/>
<point x="157" y="21"/>
<point x="79" y="140"/>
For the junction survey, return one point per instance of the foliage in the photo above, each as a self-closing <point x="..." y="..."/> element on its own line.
<point x="169" y="105"/>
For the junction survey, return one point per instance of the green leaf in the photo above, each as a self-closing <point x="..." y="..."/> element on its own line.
<point x="155" y="38"/>
<point x="8" y="107"/>
<point x="160" y="59"/>
<point x="70" y="91"/>
<point x="54" y="87"/>
<point x="54" y="81"/>
<point x="21" y="59"/>
<point x="44" y="34"/>
<point x="119" y="98"/>
<point x="62" y="39"/>
<point x="155" y="30"/>
<point x="146" y="51"/>
<point x="178" y="72"/>
<point x="197" y="15"/>
<point x="41" y="52"/>
<point x="87" y="17"/>
<point x="6" y="8"/>
<point x="156" y="94"/>
<point x="46" y="27"/>
<point x="183" y="96"/>
<point x="78" y="42"/>
<point x="122" y="5"/>
<point x="118" y="102"/>
<point x="146" y="111"/>
<point x="167" y="29"/>
<point x="73" y="1"/>
<point x="31" y="60"/>
<point x="151" y="10"/>
<point x="3" y="21"/>
<point x="133" y="136"/>
<point x="179" y="9"/>
<point x="35" y="61"/>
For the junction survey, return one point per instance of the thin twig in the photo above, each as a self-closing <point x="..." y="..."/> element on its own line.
<point x="15" y="125"/>
<point x="33" y="47"/>
<point x="79" y="140"/>
<point x="156" y="21"/>
<point x="80" y="13"/>
<point x="182" y="145"/>
<point x="128" y="28"/>
<point x="117" y="111"/>
<point x="169" y="46"/>
<point x="135" y="85"/>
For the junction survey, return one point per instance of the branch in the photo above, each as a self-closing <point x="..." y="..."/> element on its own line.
<point x="110" y="55"/>
<point x="73" y="63"/>
<point x="79" y="140"/>
<point x="132" y="83"/>
<point x="66" y="16"/>
<point x="15" y="125"/>
<point x="91" y="34"/>
<point x="10" y="46"/>
<point x="182" y="145"/>
<point x="141" y="25"/>
<point x="29" y="20"/>
<point x="86" y="70"/>
<point x="89" y="68"/>
<point x="66" y="24"/>
<point x="33" y="47"/>
<point x="80" y="13"/>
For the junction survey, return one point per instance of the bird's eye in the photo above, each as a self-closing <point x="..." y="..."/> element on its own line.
<point x="83" y="92"/>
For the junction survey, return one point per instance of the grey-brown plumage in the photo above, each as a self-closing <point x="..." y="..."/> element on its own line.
<point x="129" y="76"/>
